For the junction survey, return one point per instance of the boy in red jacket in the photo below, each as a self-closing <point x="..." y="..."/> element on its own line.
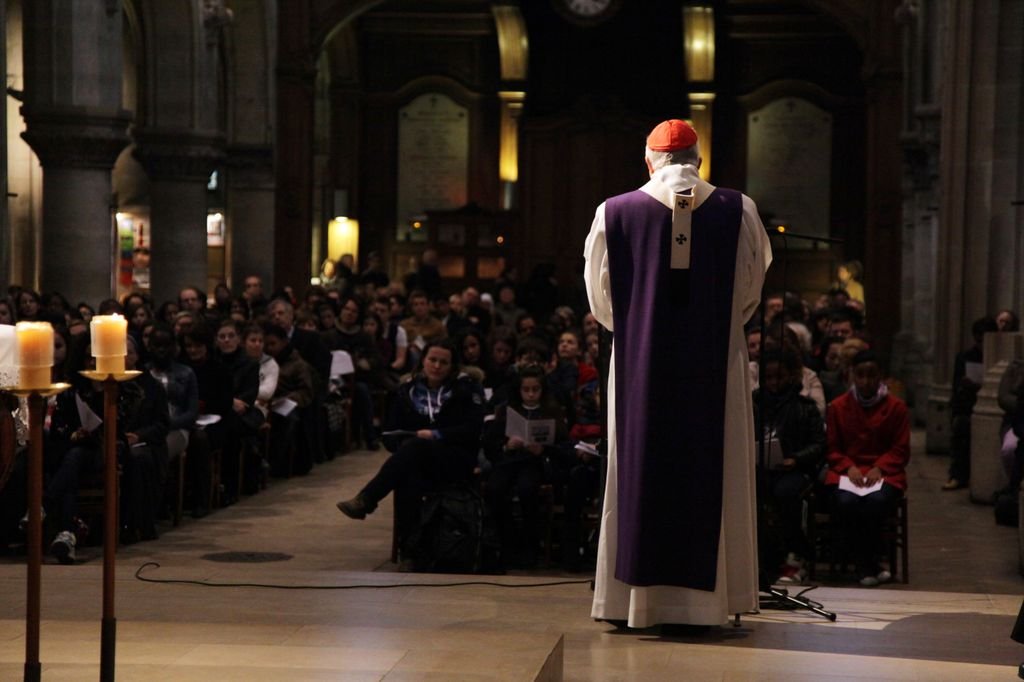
<point x="868" y="451"/>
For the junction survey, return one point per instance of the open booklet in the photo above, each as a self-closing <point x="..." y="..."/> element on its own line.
<point x="530" y="431"/>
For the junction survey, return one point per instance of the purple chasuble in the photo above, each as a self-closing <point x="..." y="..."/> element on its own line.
<point x="671" y="350"/>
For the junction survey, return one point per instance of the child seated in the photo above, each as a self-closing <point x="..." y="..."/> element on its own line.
<point x="520" y="468"/>
<point x="868" y="444"/>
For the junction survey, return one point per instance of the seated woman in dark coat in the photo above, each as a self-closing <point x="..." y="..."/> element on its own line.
<point x="215" y="385"/>
<point x="143" y="423"/>
<point x="438" y="415"/>
<point x="242" y="422"/>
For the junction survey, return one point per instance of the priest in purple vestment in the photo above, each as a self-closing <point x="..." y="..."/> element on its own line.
<point x="674" y="270"/>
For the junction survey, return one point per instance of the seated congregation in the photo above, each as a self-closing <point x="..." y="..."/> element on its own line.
<point x="239" y="390"/>
<point x="242" y="389"/>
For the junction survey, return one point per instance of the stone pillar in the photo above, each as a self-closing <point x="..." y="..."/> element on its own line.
<point x="293" y="209"/>
<point x="922" y="59"/>
<point x="179" y="168"/>
<point x="979" y="242"/>
<point x="77" y="155"/>
<point x="250" y="211"/>
<point x="76" y="126"/>
<point x="987" y="474"/>
<point x="882" y="75"/>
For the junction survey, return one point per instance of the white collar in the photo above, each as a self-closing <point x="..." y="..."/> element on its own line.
<point x="674" y="179"/>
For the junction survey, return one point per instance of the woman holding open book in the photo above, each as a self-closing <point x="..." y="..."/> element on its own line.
<point x="433" y="433"/>
<point x="528" y="445"/>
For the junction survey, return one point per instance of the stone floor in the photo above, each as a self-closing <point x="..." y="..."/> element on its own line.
<point x="950" y="623"/>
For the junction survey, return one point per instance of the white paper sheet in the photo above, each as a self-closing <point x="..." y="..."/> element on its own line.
<point x="975" y="371"/>
<point x="341" y="363"/>
<point x="283" y="406"/>
<point x="89" y="419"/>
<point x="846" y="484"/>
<point x="589" y="449"/>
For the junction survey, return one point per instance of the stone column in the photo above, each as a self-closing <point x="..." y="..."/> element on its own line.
<point x="922" y="59"/>
<point x="179" y="168"/>
<point x="78" y="234"/>
<point x="250" y="210"/>
<point x="76" y="126"/>
<point x="979" y="241"/>
<point x="293" y="209"/>
<point x="987" y="474"/>
<point x="882" y="75"/>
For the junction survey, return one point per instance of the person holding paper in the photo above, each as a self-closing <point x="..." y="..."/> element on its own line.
<point x="868" y="451"/>
<point x="72" y="451"/>
<point x="433" y="433"/>
<point x="968" y="374"/>
<point x="214" y="384"/>
<point x="293" y="396"/>
<point x="675" y="269"/>
<point x="794" y="453"/>
<point x="360" y="346"/>
<point x="522" y="463"/>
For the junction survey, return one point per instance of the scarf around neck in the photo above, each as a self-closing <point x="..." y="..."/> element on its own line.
<point x="867" y="403"/>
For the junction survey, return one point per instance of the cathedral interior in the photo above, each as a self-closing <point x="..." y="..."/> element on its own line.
<point x="892" y="127"/>
<point x="227" y="138"/>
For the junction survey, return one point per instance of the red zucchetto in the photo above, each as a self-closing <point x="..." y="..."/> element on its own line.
<point x="671" y="135"/>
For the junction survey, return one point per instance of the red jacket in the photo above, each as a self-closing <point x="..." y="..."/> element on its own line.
<point x="875" y="437"/>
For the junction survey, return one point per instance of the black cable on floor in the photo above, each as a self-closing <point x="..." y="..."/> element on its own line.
<point x="205" y="583"/>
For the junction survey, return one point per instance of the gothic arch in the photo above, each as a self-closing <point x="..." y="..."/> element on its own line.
<point x="335" y="16"/>
<point x="849" y="14"/>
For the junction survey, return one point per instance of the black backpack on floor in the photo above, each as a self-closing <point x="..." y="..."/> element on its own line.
<point x="455" y="533"/>
<point x="1006" y="506"/>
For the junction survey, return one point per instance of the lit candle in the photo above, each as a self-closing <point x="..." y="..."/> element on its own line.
<point x="34" y="354"/>
<point x="109" y="342"/>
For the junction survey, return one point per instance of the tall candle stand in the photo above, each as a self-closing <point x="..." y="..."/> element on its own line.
<point x="108" y="636"/>
<point x="36" y="413"/>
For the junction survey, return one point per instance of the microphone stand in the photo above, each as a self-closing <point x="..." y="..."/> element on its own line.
<point x="777" y="598"/>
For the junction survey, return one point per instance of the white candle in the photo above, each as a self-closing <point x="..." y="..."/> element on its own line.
<point x="109" y="342"/>
<point x="34" y="354"/>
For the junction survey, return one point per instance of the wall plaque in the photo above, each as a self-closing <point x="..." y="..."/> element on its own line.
<point x="789" y="162"/>
<point x="433" y="156"/>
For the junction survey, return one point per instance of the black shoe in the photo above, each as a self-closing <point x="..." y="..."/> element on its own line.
<point x="357" y="508"/>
